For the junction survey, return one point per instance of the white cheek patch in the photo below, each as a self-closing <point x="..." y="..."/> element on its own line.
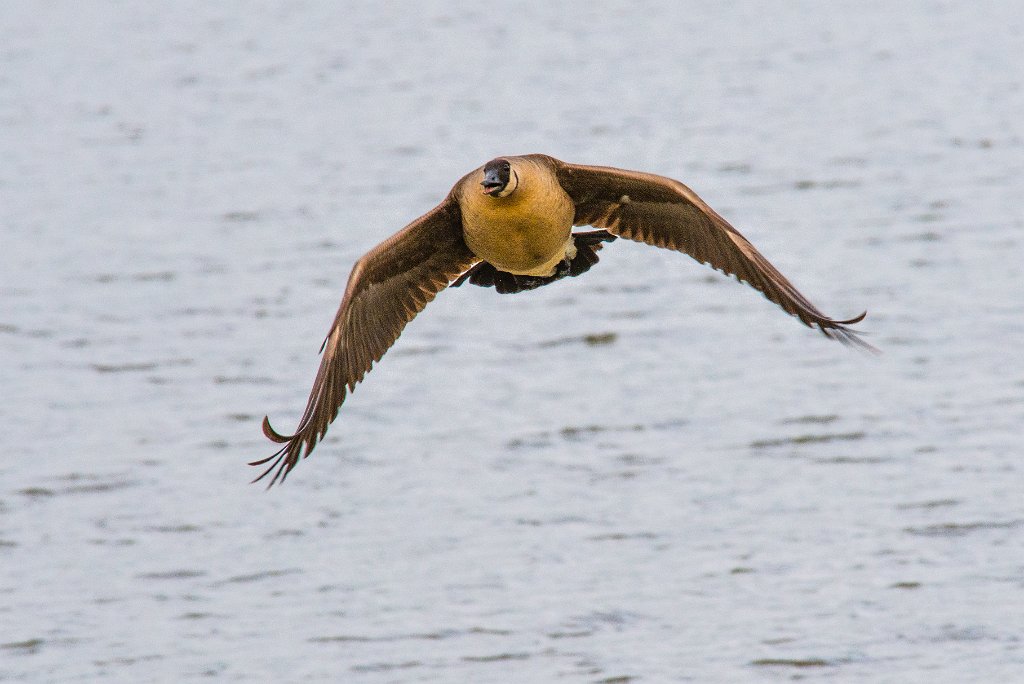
<point x="513" y="183"/>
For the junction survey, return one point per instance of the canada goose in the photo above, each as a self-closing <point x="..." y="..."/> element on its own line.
<point x="508" y="224"/>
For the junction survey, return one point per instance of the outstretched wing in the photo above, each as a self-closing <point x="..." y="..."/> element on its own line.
<point x="665" y="213"/>
<point x="386" y="289"/>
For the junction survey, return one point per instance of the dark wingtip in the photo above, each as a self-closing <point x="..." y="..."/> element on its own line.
<point x="855" y="319"/>
<point x="272" y="434"/>
<point x="853" y="338"/>
<point x="839" y="330"/>
<point x="279" y="461"/>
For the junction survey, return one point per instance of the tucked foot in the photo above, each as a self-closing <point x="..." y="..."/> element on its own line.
<point x="593" y="237"/>
<point x="587" y="246"/>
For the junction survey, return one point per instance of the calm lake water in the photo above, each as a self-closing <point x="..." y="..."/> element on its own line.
<point x="649" y="474"/>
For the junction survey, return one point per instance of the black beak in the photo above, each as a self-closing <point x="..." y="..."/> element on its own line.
<point x="492" y="182"/>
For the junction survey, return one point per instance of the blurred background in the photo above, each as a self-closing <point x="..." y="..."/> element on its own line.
<point x="647" y="474"/>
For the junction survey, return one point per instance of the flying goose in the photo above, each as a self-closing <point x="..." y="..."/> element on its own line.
<point x="508" y="224"/>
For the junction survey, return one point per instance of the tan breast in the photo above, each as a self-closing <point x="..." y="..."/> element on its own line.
<point x="526" y="233"/>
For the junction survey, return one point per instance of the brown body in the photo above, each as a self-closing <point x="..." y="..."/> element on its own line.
<point x="509" y="225"/>
<point x="526" y="232"/>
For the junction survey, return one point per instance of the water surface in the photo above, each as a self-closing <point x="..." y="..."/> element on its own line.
<point x="647" y="474"/>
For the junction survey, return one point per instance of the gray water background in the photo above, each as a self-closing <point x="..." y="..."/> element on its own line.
<point x="649" y="474"/>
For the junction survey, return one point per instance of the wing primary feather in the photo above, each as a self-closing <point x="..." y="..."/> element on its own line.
<point x="387" y="288"/>
<point x="665" y="213"/>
